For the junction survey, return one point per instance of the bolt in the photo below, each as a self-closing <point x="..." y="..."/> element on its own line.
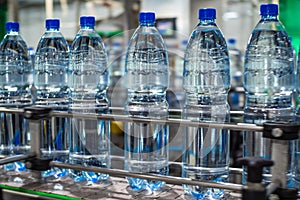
<point x="277" y="132"/>
<point x="28" y="165"/>
<point x="28" y="114"/>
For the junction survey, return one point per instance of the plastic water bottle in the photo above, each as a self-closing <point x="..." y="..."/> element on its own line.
<point x="89" y="79"/>
<point x="15" y="73"/>
<point x="206" y="81"/>
<point x="51" y="72"/>
<point x="115" y="57"/>
<point x="296" y="160"/>
<point x="178" y="69"/>
<point x="116" y="66"/>
<point x="236" y="93"/>
<point x="268" y="80"/>
<point x="296" y="153"/>
<point x="235" y="57"/>
<point x="147" y="78"/>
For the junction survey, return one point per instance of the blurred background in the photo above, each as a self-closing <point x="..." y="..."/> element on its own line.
<point x="236" y="18"/>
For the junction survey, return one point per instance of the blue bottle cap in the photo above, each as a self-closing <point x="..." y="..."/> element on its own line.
<point x="269" y="9"/>
<point x="231" y="41"/>
<point x="147" y="17"/>
<point x="12" y="26"/>
<point x="52" y="23"/>
<point x="207" y="13"/>
<point x="87" y="21"/>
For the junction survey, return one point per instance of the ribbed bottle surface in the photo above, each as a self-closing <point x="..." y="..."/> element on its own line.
<point x="51" y="73"/>
<point x="147" y="78"/>
<point x="15" y="82"/>
<point x="268" y="81"/>
<point x="206" y="80"/>
<point x="90" y="138"/>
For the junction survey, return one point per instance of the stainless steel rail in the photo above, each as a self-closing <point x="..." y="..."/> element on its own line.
<point x="175" y="120"/>
<point x="16" y="158"/>
<point x="181" y="122"/>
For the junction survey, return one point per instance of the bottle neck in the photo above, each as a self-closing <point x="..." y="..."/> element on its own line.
<point x="147" y="24"/>
<point x="12" y="33"/>
<point x="206" y="22"/>
<point x="269" y="18"/>
<point x="87" y="27"/>
<point x="52" y="29"/>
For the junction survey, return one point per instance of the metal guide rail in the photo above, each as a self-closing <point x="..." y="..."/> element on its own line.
<point x="240" y="191"/>
<point x="125" y="118"/>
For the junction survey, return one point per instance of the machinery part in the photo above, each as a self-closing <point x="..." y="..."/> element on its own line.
<point x="281" y="131"/>
<point x="254" y="188"/>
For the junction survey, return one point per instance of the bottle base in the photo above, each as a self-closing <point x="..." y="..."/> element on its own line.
<point x="55" y="173"/>
<point x="16" y="166"/>
<point x="138" y="184"/>
<point x="205" y="174"/>
<point x="207" y="195"/>
<point x="197" y="192"/>
<point x="79" y="176"/>
<point x="86" y="160"/>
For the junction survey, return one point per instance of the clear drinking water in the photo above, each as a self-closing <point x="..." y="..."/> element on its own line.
<point x="51" y="84"/>
<point x="268" y="80"/>
<point x="296" y="171"/>
<point x="147" y="78"/>
<point x="15" y="82"/>
<point x="236" y="97"/>
<point x="206" y="80"/>
<point x="296" y="155"/>
<point x="90" y="138"/>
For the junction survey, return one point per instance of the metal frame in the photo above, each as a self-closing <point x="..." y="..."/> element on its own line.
<point x="122" y="173"/>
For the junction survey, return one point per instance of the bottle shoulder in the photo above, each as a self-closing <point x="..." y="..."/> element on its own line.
<point x="202" y="32"/>
<point x="13" y="44"/>
<point x="146" y="37"/>
<point x="207" y="39"/>
<point x="52" y="41"/>
<point x="268" y="34"/>
<point x="274" y="25"/>
<point x="87" y="40"/>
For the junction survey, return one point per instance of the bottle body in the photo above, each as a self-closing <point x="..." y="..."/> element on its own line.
<point x="15" y="82"/>
<point x="206" y="80"/>
<point x="268" y="83"/>
<point x="296" y="154"/>
<point x="90" y="138"/>
<point x="207" y="154"/>
<point x="51" y="85"/>
<point x="236" y="94"/>
<point x="146" y="145"/>
<point x="147" y="78"/>
<point x="295" y="162"/>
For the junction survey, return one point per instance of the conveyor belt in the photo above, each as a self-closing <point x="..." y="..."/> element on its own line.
<point x="114" y="188"/>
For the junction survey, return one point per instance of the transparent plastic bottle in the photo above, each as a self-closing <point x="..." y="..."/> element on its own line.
<point x="268" y="80"/>
<point x="15" y="73"/>
<point x="206" y="81"/>
<point x="236" y="93"/>
<point x="296" y="160"/>
<point x="296" y="153"/>
<point x="147" y="78"/>
<point x="51" y="72"/>
<point x="115" y="57"/>
<point x="90" y="138"/>
<point x="235" y="57"/>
